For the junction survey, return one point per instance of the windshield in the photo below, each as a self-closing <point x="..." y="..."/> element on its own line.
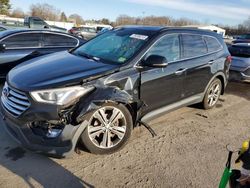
<point x="116" y="46"/>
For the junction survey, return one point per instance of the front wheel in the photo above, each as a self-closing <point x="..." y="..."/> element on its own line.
<point x="109" y="129"/>
<point x="212" y="94"/>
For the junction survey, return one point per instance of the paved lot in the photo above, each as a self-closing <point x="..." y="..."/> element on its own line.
<point x="189" y="151"/>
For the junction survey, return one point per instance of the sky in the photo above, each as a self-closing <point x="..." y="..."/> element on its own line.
<point x="227" y="12"/>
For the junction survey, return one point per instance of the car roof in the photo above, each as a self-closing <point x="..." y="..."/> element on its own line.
<point x="142" y="27"/>
<point x="14" y="31"/>
<point x="160" y="29"/>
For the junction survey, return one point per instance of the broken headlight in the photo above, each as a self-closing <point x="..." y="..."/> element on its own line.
<point x="61" y="96"/>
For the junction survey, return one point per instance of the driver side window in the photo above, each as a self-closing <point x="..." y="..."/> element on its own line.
<point x="168" y="47"/>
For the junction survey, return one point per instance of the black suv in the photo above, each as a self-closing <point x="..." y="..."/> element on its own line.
<point x="97" y="93"/>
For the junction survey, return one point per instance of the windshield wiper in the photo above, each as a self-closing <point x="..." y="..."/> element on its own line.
<point x="88" y="56"/>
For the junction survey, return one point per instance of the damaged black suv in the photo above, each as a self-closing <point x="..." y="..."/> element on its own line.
<point x="97" y="93"/>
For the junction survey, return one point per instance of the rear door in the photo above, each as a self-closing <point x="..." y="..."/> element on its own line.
<point x="197" y="62"/>
<point x="19" y="48"/>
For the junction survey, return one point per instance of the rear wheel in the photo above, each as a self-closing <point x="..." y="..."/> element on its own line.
<point x="109" y="129"/>
<point x="80" y="36"/>
<point x="212" y="94"/>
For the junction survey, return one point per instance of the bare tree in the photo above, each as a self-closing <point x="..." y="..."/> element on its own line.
<point x="246" y="24"/>
<point x="239" y="29"/>
<point x="184" y="22"/>
<point x="17" y="13"/>
<point x="63" y="17"/>
<point x="4" y="7"/>
<point x="105" y="21"/>
<point x="77" y="19"/>
<point x="45" y="11"/>
<point x="153" y="20"/>
<point x="126" y="20"/>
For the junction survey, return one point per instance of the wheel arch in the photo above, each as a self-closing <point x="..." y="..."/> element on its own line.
<point x="222" y="79"/>
<point x="221" y="76"/>
<point x="107" y="95"/>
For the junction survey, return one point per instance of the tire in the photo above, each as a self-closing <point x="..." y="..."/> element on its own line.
<point x="93" y="137"/>
<point x="80" y="36"/>
<point x="212" y="94"/>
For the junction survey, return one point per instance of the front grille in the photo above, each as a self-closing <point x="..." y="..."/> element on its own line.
<point x="14" y="101"/>
<point x="247" y="72"/>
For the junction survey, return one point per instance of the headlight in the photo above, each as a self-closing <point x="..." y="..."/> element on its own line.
<point x="61" y="96"/>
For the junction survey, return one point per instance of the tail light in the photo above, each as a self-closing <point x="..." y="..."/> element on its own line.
<point x="229" y="59"/>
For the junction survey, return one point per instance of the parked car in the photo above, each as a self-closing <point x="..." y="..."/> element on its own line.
<point x="104" y="30"/>
<point x="3" y="28"/>
<point x="242" y="39"/>
<point x="31" y="22"/>
<point x="97" y="93"/>
<point x="38" y="23"/>
<point x="74" y="30"/>
<point x="100" y="27"/>
<point x="17" y="46"/>
<point x="87" y="33"/>
<point x="240" y="68"/>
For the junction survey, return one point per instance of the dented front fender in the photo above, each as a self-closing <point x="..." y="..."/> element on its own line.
<point x="121" y="87"/>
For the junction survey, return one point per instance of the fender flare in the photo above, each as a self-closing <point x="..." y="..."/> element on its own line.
<point x="96" y="99"/>
<point x="218" y="74"/>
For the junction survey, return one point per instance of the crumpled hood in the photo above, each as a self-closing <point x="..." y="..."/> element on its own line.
<point x="55" y="70"/>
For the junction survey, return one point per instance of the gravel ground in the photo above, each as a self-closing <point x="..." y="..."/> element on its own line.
<point x="189" y="151"/>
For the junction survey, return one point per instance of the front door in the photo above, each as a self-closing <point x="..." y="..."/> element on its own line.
<point x="163" y="86"/>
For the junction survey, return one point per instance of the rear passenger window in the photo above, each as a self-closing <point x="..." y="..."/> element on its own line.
<point x="28" y="40"/>
<point x="168" y="47"/>
<point x="193" y="45"/>
<point x="59" y="40"/>
<point x="213" y="44"/>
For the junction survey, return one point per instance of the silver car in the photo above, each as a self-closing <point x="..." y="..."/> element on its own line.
<point x="87" y="33"/>
<point x="240" y="68"/>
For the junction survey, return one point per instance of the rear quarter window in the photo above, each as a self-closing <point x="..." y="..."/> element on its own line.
<point x="213" y="44"/>
<point x="54" y="40"/>
<point x="193" y="45"/>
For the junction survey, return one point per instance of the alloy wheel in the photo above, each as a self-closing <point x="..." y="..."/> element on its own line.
<point x="214" y="94"/>
<point x="107" y="127"/>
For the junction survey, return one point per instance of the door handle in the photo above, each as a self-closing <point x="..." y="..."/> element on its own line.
<point x="180" y="71"/>
<point x="211" y="62"/>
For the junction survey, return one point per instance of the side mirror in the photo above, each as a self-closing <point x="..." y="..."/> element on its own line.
<point x="156" y="61"/>
<point x="2" y="47"/>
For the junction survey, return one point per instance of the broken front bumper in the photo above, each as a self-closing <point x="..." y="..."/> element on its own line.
<point x="61" y="146"/>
